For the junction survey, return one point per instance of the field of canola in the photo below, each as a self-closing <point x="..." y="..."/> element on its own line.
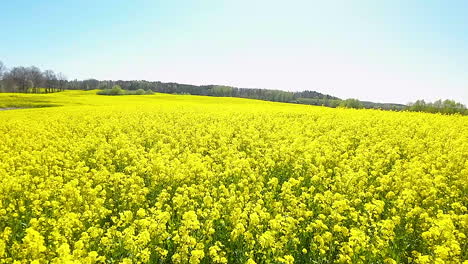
<point x="186" y="179"/>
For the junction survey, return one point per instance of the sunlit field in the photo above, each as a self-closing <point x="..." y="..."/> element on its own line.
<point x="190" y="179"/>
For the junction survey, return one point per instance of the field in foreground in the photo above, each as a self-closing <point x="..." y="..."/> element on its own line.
<point x="186" y="179"/>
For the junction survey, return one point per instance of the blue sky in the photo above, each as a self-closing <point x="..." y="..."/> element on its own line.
<point x="386" y="51"/>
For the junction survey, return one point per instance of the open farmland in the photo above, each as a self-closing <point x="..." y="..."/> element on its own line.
<point x="192" y="179"/>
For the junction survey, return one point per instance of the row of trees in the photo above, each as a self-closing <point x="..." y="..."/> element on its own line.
<point x="350" y="103"/>
<point x="30" y="80"/>
<point x="206" y="90"/>
<point x="117" y="90"/>
<point x="439" y="106"/>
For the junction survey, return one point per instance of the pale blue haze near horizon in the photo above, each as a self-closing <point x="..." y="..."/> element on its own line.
<point x="384" y="51"/>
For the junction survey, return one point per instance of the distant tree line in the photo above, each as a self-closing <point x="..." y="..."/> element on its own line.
<point x="206" y="90"/>
<point x="33" y="80"/>
<point x="350" y="103"/>
<point x="439" y="106"/>
<point x="117" y="90"/>
<point x="30" y="80"/>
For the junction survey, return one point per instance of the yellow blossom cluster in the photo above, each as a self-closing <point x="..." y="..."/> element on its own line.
<point x="186" y="179"/>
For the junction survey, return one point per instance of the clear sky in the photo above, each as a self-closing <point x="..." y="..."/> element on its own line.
<point x="385" y="51"/>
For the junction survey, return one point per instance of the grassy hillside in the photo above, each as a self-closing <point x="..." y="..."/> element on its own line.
<point x="191" y="179"/>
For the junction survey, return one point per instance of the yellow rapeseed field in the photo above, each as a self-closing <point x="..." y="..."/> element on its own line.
<point x="187" y="179"/>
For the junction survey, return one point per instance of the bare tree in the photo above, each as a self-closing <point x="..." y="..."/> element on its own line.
<point x="50" y="80"/>
<point x="36" y="77"/>
<point x="2" y="69"/>
<point x="18" y="77"/>
<point x="21" y="79"/>
<point x="62" y="79"/>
